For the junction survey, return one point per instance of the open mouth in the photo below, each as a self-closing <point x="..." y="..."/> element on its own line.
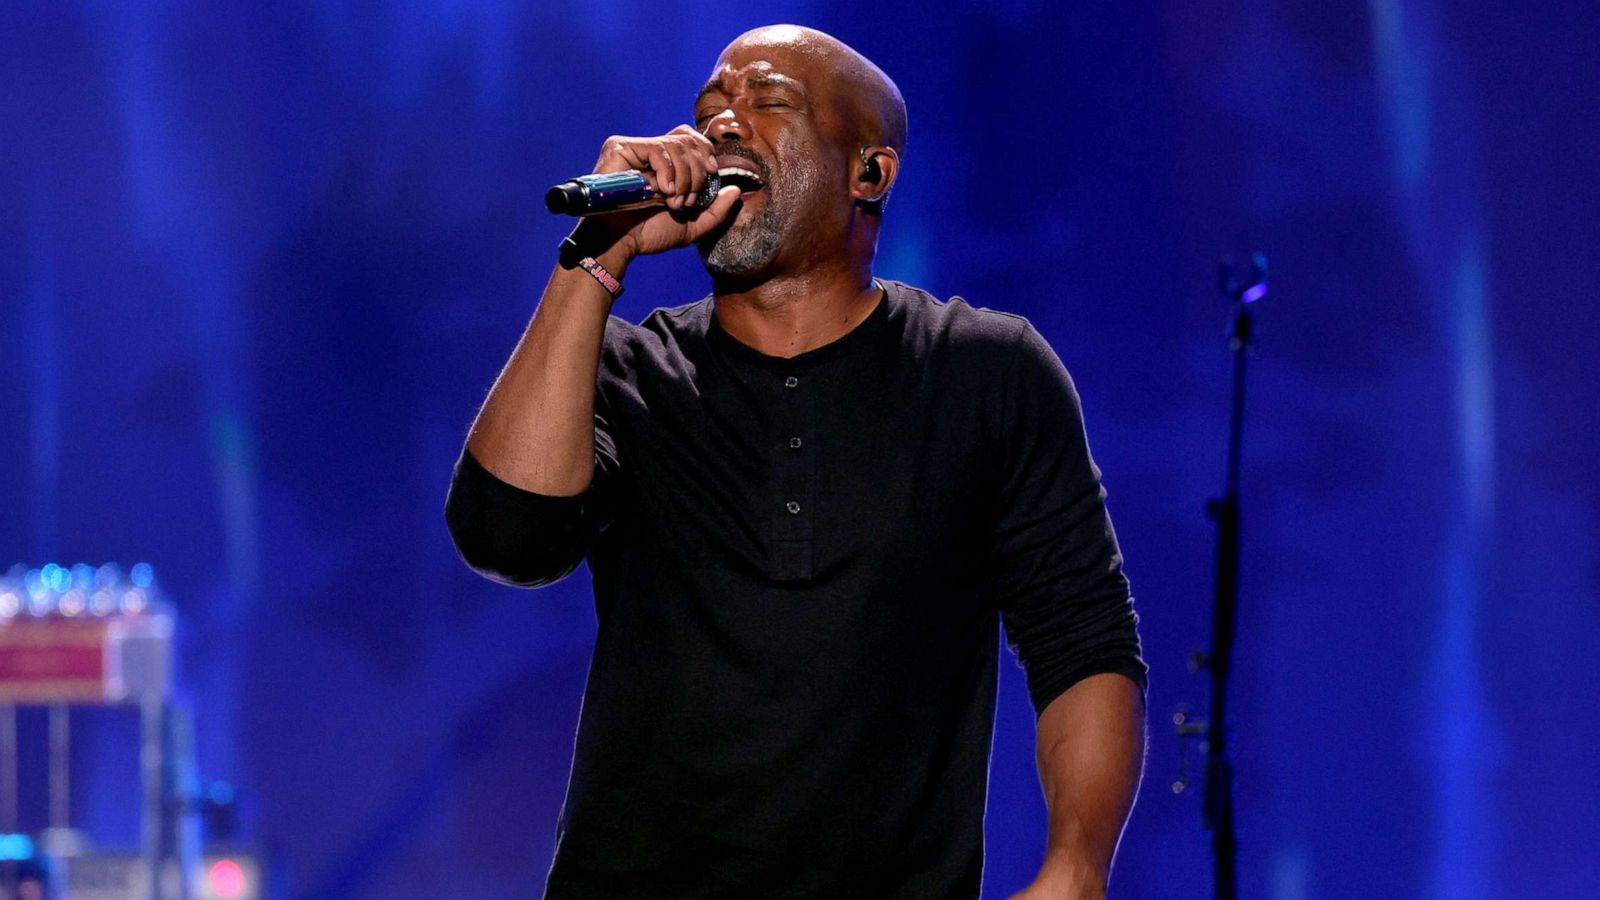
<point x="740" y="177"/>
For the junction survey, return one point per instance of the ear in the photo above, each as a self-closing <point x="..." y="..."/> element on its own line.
<point x="875" y="172"/>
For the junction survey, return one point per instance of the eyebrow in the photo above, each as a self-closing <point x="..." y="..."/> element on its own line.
<point x="759" y="80"/>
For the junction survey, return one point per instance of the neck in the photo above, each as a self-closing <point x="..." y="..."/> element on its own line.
<point x="789" y="314"/>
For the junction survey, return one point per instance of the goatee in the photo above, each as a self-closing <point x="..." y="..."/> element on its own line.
<point x="742" y="249"/>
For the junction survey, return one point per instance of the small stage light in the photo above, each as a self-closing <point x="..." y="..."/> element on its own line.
<point x="227" y="879"/>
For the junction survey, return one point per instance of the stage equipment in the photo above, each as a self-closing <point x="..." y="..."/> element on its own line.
<point x="125" y="876"/>
<point x="88" y="636"/>
<point x="1243" y="287"/>
<point x="594" y="195"/>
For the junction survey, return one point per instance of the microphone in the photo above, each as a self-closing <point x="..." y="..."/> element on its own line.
<point x="596" y="195"/>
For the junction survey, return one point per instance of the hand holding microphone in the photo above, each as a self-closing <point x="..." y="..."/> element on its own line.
<point x="600" y="195"/>
<point x="664" y="193"/>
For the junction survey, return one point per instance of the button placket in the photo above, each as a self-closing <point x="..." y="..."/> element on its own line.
<point x="792" y="530"/>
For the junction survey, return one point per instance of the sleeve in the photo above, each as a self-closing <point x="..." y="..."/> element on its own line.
<point x="523" y="538"/>
<point x="1056" y="570"/>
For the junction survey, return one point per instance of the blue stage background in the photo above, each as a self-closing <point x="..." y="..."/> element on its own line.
<point x="260" y="262"/>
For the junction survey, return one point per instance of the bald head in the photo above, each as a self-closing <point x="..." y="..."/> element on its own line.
<point x="870" y="103"/>
<point x="824" y="128"/>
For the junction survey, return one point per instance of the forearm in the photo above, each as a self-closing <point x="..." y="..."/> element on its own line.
<point x="1091" y="756"/>
<point x="536" y="429"/>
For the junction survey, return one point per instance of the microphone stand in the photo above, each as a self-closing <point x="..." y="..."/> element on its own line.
<point x="1242" y="289"/>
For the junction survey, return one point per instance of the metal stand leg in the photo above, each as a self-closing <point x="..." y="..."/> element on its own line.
<point x="152" y="766"/>
<point x="59" y="843"/>
<point x="60" y="768"/>
<point x="8" y="769"/>
<point x="185" y="786"/>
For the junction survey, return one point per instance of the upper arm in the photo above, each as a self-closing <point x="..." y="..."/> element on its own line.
<point x="1056" y="568"/>
<point x="524" y="538"/>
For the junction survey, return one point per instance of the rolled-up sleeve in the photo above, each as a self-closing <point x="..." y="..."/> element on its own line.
<point x="1056" y="570"/>
<point x="523" y="538"/>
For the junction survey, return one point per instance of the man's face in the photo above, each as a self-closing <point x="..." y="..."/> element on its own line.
<point x="768" y="107"/>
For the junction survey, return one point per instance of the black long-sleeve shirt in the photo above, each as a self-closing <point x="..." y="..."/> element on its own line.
<point x="798" y="569"/>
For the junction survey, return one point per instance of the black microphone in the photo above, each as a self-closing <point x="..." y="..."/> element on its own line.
<point x="595" y="195"/>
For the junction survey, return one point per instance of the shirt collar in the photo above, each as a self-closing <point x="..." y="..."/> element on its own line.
<point x="855" y="342"/>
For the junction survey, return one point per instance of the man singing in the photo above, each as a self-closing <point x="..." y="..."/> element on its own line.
<point x="807" y="502"/>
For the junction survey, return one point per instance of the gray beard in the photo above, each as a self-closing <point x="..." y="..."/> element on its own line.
<point x="745" y="249"/>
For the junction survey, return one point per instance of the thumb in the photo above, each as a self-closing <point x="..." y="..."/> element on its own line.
<point x="713" y="215"/>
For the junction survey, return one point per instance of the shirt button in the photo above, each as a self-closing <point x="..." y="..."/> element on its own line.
<point x="794" y="443"/>
<point x="792" y="507"/>
<point x="791" y="381"/>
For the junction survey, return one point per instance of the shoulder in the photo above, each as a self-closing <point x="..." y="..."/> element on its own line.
<point x="661" y="340"/>
<point x="988" y="339"/>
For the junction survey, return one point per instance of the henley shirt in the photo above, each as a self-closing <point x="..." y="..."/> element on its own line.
<point x="800" y="568"/>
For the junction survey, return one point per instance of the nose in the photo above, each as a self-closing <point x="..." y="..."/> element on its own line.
<point x="725" y="127"/>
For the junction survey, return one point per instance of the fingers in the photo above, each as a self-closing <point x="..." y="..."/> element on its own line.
<point x="697" y="168"/>
<point x="709" y="218"/>
<point x="683" y="177"/>
<point x="701" y="154"/>
<point x="650" y="156"/>
<point x="663" y="174"/>
<point x="619" y="153"/>
<point x="692" y="161"/>
<point x="677" y="163"/>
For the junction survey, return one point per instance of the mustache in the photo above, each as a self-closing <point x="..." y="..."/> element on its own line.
<point x="734" y="148"/>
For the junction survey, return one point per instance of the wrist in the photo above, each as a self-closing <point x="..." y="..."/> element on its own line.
<point x="616" y="257"/>
<point x="592" y="238"/>
<point x="1075" y="873"/>
<point x="604" y="261"/>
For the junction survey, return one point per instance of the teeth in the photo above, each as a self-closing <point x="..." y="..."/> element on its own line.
<point x="738" y="172"/>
